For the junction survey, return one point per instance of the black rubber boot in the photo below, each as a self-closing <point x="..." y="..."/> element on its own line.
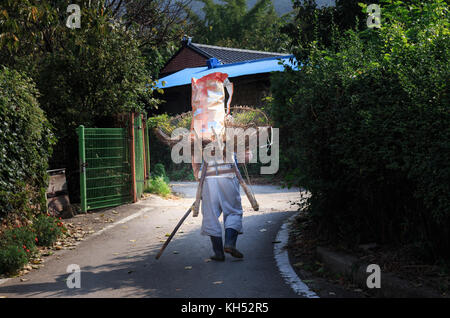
<point x="230" y="243"/>
<point x="217" y="246"/>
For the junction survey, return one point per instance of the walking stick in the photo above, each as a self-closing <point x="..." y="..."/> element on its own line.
<point x="198" y="197"/>
<point x="194" y="207"/>
<point x="244" y="186"/>
<point x="174" y="231"/>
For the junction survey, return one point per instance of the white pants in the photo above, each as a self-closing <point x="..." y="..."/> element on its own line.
<point x="221" y="194"/>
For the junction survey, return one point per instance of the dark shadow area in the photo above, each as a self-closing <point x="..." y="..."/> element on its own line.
<point x="137" y="269"/>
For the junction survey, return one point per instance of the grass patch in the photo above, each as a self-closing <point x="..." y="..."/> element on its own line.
<point x="158" y="185"/>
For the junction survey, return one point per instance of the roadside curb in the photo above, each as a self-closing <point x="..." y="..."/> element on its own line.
<point x="284" y="265"/>
<point x="391" y="285"/>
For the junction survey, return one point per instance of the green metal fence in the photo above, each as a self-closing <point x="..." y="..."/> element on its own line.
<point x="139" y="155"/>
<point x="147" y="150"/>
<point x="105" y="176"/>
<point x="105" y="164"/>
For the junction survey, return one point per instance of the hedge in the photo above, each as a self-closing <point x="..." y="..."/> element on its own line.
<point x="25" y="146"/>
<point x="365" y="127"/>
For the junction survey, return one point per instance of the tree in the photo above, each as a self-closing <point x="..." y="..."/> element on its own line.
<point x="232" y="24"/>
<point x="158" y="25"/>
<point x="320" y="24"/>
<point x="83" y="75"/>
<point x="154" y="22"/>
<point x="366" y="130"/>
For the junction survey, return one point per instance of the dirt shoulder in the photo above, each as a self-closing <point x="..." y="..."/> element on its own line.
<point x="398" y="265"/>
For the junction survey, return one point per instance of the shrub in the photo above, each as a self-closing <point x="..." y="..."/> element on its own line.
<point x="17" y="246"/>
<point x="12" y="258"/>
<point x="47" y="229"/>
<point x="158" y="186"/>
<point x="25" y="145"/>
<point x="182" y="172"/>
<point x="365" y="128"/>
<point x="160" y="171"/>
<point x="22" y="237"/>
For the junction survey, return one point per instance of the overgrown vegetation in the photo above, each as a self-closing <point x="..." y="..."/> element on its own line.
<point x="47" y="229"/>
<point x="365" y="127"/>
<point x="86" y="76"/>
<point x="159" y="182"/>
<point x="232" y="24"/>
<point x="176" y="172"/>
<point x="53" y="79"/>
<point x="25" y="146"/>
<point x="19" y="244"/>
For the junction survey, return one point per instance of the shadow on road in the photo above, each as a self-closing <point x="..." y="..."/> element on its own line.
<point x="181" y="271"/>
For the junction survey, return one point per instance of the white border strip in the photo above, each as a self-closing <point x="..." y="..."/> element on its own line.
<point x="124" y="220"/>
<point x="4" y="280"/>
<point x="286" y="270"/>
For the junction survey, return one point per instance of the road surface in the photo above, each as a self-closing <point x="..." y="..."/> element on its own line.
<point x="120" y="260"/>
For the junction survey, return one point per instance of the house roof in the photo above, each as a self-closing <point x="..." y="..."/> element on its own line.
<point x="195" y="54"/>
<point x="230" y="55"/>
<point x="266" y="65"/>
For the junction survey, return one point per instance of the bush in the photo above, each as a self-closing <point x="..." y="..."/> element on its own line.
<point x="17" y="246"/>
<point x="160" y="171"/>
<point x="25" y="145"/>
<point x="365" y="127"/>
<point x="23" y="237"/>
<point x="158" y="186"/>
<point x="182" y="172"/>
<point x="12" y="258"/>
<point x="47" y="229"/>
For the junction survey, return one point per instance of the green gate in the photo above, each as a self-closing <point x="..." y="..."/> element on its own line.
<point x="105" y="176"/>
<point x="139" y="155"/>
<point x="106" y="172"/>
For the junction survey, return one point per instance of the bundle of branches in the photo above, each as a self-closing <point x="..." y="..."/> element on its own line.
<point x="250" y="121"/>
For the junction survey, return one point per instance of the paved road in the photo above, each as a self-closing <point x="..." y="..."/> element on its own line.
<point x="120" y="261"/>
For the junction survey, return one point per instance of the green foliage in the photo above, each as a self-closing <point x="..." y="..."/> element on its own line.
<point x="320" y="24"/>
<point x="181" y="172"/>
<point x="232" y="24"/>
<point x="159" y="182"/>
<point x="160" y="171"/>
<point x="164" y="123"/>
<point x="161" y="151"/>
<point x="25" y="145"/>
<point x="158" y="186"/>
<point x="23" y="237"/>
<point x="47" y="229"/>
<point x="365" y="127"/>
<point x="17" y="246"/>
<point x="85" y="76"/>
<point x="12" y="258"/>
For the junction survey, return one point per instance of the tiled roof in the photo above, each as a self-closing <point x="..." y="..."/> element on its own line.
<point x="267" y="65"/>
<point x="230" y="55"/>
